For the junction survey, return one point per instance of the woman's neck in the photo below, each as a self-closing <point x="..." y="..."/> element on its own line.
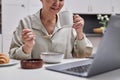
<point x="49" y="21"/>
<point x="45" y="16"/>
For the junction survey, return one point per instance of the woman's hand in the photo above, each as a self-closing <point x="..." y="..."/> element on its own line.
<point x="28" y="38"/>
<point x="78" y="26"/>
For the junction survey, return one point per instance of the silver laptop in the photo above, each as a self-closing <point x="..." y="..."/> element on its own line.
<point x="107" y="56"/>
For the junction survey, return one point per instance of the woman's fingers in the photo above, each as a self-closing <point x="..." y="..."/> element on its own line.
<point x="78" y="22"/>
<point x="27" y="35"/>
<point x="77" y="18"/>
<point x="25" y="31"/>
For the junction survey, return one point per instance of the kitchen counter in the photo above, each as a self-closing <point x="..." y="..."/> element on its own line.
<point x="94" y="35"/>
<point x="16" y="73"/>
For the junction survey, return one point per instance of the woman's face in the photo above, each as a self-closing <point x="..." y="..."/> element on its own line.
<point x="52" y="6"/>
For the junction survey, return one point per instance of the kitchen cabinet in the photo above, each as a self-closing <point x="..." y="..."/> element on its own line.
<point x="100" y="6"/>
<point x="14" y="1"/>
<point x="115" y="6"/>
<point x="93" y="6"/>
<point x="12" y="12"/>
<point x="77" y="6"/>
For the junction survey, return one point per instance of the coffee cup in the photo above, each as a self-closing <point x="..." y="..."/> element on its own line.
<point x="66" y="18"/>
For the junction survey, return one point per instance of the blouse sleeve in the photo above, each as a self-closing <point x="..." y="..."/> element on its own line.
<point x="16" y="51"/>
<point x="82" y="48"/>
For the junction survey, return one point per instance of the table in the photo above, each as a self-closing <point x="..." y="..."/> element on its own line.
<point x="16" y="73"/>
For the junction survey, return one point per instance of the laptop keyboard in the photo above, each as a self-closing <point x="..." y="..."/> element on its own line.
<point x="79" y="69"/>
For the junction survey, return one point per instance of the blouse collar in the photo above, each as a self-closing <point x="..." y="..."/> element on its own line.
<point x="41" y="27"/>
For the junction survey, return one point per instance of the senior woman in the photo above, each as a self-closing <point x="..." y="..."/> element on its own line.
<point x="42" y="32"/>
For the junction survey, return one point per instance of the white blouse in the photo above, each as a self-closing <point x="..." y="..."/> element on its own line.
<point x="63" y="40"/>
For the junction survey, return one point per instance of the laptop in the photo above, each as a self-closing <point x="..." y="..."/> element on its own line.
<point x="107" y="56"/>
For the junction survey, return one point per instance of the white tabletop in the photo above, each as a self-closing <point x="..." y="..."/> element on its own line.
<point x="16" y="73"/>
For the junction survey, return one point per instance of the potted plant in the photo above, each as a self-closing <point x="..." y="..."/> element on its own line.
<point x="103" y="20"/>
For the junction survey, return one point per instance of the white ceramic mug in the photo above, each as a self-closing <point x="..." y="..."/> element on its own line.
<point x="66" y="18"/>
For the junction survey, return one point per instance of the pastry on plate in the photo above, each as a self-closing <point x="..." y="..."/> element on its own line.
<point x="4" y="58"/>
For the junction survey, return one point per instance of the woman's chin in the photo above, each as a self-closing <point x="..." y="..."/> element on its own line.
<point x="54" y="11"/>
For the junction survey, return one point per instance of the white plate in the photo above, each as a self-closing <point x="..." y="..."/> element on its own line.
<point x="12" y="62"/>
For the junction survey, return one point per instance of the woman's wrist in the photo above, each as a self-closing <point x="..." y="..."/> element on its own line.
<point x="26" y="49"/>
<point x="80" y="36"/>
